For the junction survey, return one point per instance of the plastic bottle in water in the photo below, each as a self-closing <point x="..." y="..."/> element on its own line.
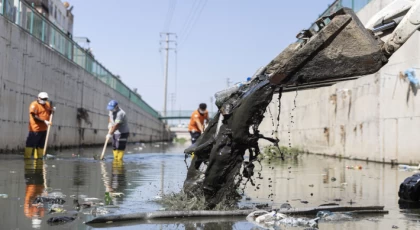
<point x="223" y="95"/>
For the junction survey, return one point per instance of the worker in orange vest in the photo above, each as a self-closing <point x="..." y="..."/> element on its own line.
<point x="39" y="120"/>
<point x="199" y="118"/>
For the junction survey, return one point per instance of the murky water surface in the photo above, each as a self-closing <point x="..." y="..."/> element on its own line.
<point x="148" y="171"/>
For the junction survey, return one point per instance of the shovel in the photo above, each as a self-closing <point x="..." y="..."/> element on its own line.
<point x="106" y="143"/>
<point x="48" y="134"/>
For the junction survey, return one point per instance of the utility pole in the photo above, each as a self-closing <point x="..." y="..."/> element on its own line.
<point x="228" y="82"/>
<point x="173" y="99"/>
<point x="167" y="48"/>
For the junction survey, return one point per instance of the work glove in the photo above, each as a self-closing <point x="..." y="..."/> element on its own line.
<point x="108" y="136"/>
<point x="47" y="122"/>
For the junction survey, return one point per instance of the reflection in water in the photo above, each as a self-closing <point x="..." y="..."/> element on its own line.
<point x="34" y="178"/>
<point x="78" y="177"/>
<point x="118" y="180"/>
<point x="408" y="204"/>
<point x="210" y="226"/>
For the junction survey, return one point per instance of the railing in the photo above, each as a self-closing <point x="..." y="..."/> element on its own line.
<point x="28" y="18"/>
<point x="355" y="5"/>
<point x="183" y="114"/>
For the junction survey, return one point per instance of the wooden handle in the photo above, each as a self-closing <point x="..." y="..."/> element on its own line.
<point x="48" y="134"/>
<point x="106" y="143"/>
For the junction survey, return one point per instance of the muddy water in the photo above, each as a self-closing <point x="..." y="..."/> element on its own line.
<point x="148" y="172"/>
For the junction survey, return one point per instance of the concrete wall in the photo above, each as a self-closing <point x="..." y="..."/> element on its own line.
<point x="375" y="117"/>
<point x="27" y="67"/>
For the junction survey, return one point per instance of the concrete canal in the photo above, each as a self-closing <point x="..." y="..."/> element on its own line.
<point x="150" y="170"/>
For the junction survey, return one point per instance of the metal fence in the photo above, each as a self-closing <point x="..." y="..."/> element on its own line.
<point x="28" y="18"/>
<point x="355" y="5"/>
<point x="183" y="113"/>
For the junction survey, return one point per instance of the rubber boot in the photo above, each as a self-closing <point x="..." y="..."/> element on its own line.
<point x="117" y="167"/>
<point x="39" y="153"/>
<point x="28" y="153"/>
<point x="115" y="152"/>
<point x="120" y="154"/>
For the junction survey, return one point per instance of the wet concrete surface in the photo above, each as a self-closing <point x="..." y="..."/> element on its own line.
<point x="302" y="181"/>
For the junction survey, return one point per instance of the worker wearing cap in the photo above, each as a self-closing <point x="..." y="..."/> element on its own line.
<point x="118" y="129"/>
<point x="196" y="126"/>
<point x="39" y="120"/>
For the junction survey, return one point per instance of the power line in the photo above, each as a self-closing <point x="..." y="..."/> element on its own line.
<point x="193" y="23"/>
<point x="176" y="70"/>
<point x="192" y="18"/>
<point x="169" y="15"/>
<point x="187" y="21"/>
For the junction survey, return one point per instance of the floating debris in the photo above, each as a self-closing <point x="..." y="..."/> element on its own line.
<point x="91" y="198"/>
<point x="4" y="196"/>
<point x="333" y="216"/>
<point x="270" y="219"/>
<point x="48" y="200"/>
<point x="57" y="210"/>
<point x="60" y="220"/>
<point x="116" y="194"/>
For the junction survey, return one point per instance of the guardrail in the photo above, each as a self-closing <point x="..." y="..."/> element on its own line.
<point x="181" y="114"/>
<point x="28" y="18"/>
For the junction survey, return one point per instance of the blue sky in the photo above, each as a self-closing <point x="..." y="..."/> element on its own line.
<point x="229" y="39"/>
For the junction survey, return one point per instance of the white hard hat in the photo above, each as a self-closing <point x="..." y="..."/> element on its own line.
<point x="43" y="95"/>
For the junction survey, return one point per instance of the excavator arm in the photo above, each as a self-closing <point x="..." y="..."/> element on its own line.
<point x="401" y="16"/>
<point x="339" y="47"/>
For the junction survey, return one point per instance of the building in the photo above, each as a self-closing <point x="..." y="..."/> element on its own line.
<point x="59" y="13"/>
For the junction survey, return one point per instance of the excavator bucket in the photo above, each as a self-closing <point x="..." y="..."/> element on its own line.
<point x="339" y="49"/>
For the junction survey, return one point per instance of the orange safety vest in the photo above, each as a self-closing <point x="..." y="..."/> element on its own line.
<point x="43" y="112"/>
<point x="201" y="117"/>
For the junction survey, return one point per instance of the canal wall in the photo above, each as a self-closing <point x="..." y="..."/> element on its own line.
<point x="375" y="118"/>
<point x="28" y="66"/>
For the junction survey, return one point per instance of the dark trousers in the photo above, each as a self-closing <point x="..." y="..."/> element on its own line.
<point x="119" y="141"/>
<point x="36" y="139"/>
<point x="194" y="136"/>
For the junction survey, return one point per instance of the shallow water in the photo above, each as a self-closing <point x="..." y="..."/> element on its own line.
<point x="154" y="170"/>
